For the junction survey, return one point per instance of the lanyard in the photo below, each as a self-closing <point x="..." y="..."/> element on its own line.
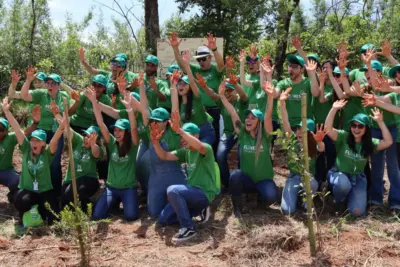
<point x="35" y="166"/>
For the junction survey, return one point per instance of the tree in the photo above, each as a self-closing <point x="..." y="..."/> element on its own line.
<point x="151" y="24"/>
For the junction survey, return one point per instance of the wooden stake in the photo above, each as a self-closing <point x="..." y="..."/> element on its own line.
<point x="306" y="176"/>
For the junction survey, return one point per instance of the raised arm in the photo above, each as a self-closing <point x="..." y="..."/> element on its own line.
<point x="386" y="51"/>
<point x="339" y="92"/>
<point x="153" y="86"/>
<point x="285" y="117"/>
<point x="93" y="145"/>
<point x="84" y="63"/>
<point x="203" y="85"/>
<point x="57" y="135"/>
<point x="174" y="42"/>
<point x="155" y="136"/>
<point x="322" y="78"/>
<point x="91" y="95"/>
<point x="110" y="111"/>
<point x="15" y="77"/>
<point x="387" y="140"/>
<point x="229" y="64"/>
<point x="186" y="59"/>
<point x="35" y="115"/>
<point x="13" y="122"/>
<point x="242" y="59"/>
<point x="76" y="96"/>
<point x="30" y="76"/>
<point x="237" y="124"/>
<point x="296" y="42"/>
<point x="319" y="136"/>
<point x="233" y="79"/>
<point x="212" y="45"/>
<point x="311" y="68"/>
<point x="127" y="101"/>
<point x="332" y="132"/>
<point x="174" y="78"/>
<point x="269" y="90"/>
<point x="66" y="88"/>
<point x="144" y="102"/>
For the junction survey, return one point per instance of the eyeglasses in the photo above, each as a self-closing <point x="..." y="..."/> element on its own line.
<point x="115" y="64"/>
<point x="359" y="126"/>
<point x="97" y="85"/>
<point x="51" y="83"/>
<point x="181" y="83"/>
<point x="201" y="59"/>
<point x="336" y="75"/>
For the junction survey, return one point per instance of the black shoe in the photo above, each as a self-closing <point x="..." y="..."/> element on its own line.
<point x="204" y="215"/>
<point x="184" y="234"/>
<point x="237" y="206"/>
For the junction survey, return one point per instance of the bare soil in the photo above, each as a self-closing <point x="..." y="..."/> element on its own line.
<point x="265" y="237"/>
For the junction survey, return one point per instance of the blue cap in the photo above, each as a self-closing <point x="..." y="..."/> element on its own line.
<point x="54" y="77"/>
<point x="375" y="64"/>
<point x="256" y="112"/>
<point x="172" y="68"/>
<point x="4" y="122"/>
<point x="337" y="70"/>
<point x="93" y="129"/>
<point x="122" y="124"/>
<point x="151" y="59"/>
<point x="191" y="128"/>
<point x="41" y="76"/>
<point x="39" y="134"/>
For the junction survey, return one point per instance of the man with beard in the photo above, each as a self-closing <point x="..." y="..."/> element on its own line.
<point x="212" y="73"/>
<point x="299" y="85"/>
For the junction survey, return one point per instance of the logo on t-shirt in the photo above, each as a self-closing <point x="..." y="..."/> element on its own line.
<point x="190" y="167"/>
<point x="39" y="165"/>
<point x="354" y="156"/>
<point x="88" y="110"/>
<point x="2" y="150"/>
<point x="252" y="149"/>
<point x="296" y="96"/>
<point x="115" y="157"/>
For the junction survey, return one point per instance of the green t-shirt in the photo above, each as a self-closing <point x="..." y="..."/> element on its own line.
<point x="121" y="170"/>
<point x="152" y="96"/>
<point x="388" y="117"/>
<point x="7" y="146"/>
<point x="199" y="114"/>
<point x="84" y="115"/>
<point x="171" y="138"/>
<point x="293" y="103"/>
<point x="142" y="132"/>
<point x="346" y="160"/>
<point x="42" y="167"/>
<point x="397" y="117"/>
<point x="167" y="92"/>
<point x="213" y="78"/>
<point x="353" y="107"/>
<point x="200" y="169"/>
<point x="239" y="106"/>
<point x="42" y="98"/>
<point x="263" y="169"/>
<point x="321" y="110"/>
<point x="312" y="161"/>
<point x="110" y="88"/>
<point x="85" y="162"/>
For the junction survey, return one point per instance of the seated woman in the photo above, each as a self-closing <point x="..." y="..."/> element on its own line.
<point x="347" y="179"/>
<point x="122" y="145"/>
<point x="315" y="144"/>
<point x="256" y="172"/>
<point x="35" y="181"/>
<point x="187" y="201"/>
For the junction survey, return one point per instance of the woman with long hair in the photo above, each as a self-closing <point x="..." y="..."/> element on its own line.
<point x="347" y="179"/>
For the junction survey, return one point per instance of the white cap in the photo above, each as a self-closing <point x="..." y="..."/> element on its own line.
<point x="202" y="51"/>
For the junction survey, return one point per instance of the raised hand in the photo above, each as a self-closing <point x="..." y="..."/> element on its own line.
<point x="36" y="114"/>
<point x="322" y="75"/>
<point x="91" y="94"/>
<point x="296" y="42"/>
<point x="311" y="65"/>
<point x="82" y="54"/>
<point x="6" y="104"/>
<point x="76" y="96"/>
<point x="229" y="62"/>
<point x="377" y="115"/>
<point x="186" y="56"/>
<point x="368" y="56"/>
<point x="141" y="78"/>
<point x="153" y="83"/>
<point x="134" y="84"/>
<point x="342" y="49"/>
<point x="268" y="88"/>
<point x="382" y="84"/>
<point x="173" y="39"/>
<point x="242" y="56"/>
<point x="267" y="68"/>
<point x="54" y="108"/>
<point x="221" y="89"/>
<point x="93" y="138"/>
<point x="253" y="51"/>
<point x="386" y="48"/>
<point x="127" y="100"/>
<point x="30" y="73"/>
<point x="155" y="133"/>
<point x="285" y="94"/>
<point x="175" y="122"/>
<point x="212" y="41"/>
<point x="369" y="100"/>
<point x="339" y="104"/>
<point x="15" y="77"/>
<point x="62" y="123"/>
<point x="356" y="88"/>
<point x="320" y="134"/>
<point x="122" y="84"/>
<point x="200" y="80"/>
<point x="342" y="63"/>
<point x="233" y="79"/>
<point x="174" y="78"/>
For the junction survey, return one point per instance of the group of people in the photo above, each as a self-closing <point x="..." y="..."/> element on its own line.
<point x="132" y="129"/>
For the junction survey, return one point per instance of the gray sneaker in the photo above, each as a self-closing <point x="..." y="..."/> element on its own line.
<point x="184" y="234"/>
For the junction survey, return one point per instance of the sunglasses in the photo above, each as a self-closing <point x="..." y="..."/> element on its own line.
<point x="202" y="59"/>
<point x="2" y="130"/>
<point x="51" y="83"/>
<point x="97" y="85"/>
<point x="115" y="64"/>
<point x="251" y="61"/>
<point x="359" y="126"/>
<point x="336" y="75"/>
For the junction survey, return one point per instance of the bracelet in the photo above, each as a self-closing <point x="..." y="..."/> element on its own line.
<point x="129" y="110"/>
<point x="214" y="49"/>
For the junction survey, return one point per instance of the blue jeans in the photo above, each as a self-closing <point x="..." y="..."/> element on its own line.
<point x="352" y="188"/>
<point x="185" y="202"/>
<point x="128" y="197"/>
<point x="55" y="167"/>
<point x="291" y="190"/>
<point x="240" y="183"/>
<point x="10" y="179"/>
<point x="378" y="168"/>
<point x="143" y="166"/>
<point x="207" y="133"/>
<point x="224" y="147"/>
<point x="162" y="175"/>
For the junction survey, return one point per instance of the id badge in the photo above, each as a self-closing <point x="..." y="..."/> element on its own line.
<point x="79" y="168"/>
<point x="35" y="186"/>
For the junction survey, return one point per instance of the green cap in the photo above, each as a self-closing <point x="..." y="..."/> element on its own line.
<point x="172" y="68"/>
<point x="313" y="57"/>
<point x="362" y="119"/>
<point x="136" y="96"/>
<point x="255" y="112"/>
<point x="100" y="79"/>
<point x="123" y="124"/>
<point x="151" y="59"/>
<point x="375" y="64"/>
<point x="41" y="76"/>
<point x="122" y="55"/>
<point x="191" y="128"/>
<point x="365" y="47"/>
<point x="296" y="60"/>
<point x="393" y="70"/>
<point x="4" y="122"/>
<point x="93" y="129"/>
<point x="310" y="125"/>
<point x="54" y="77"/>
<point x="159" y="114"/>
<point x="337" y="70"/>
<point x="39" y="134"/>
<point x="185" y="79"/>
<point x="120" y="60"/>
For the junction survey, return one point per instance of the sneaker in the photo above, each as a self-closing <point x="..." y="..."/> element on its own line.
<point x="204" y="215"/>
<point x="184" y="234"/>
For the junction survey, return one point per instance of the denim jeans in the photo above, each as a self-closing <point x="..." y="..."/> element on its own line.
<point x="240" y="183"/>
<point x="291" y="191"/>
<point x="377" y="169"/>
<point x="350" y="188"/>
<point x="10" y="179"/>
<point x="143" y="166"/>
<point x="325" y="160"/>
<point x="185" y="202"/>
<point x="128" y="197"/>
<point x="225" y="145"/>
<point x="207" y="133"/>
<point x="55" y="167"/>
<point x="162" y="175"/>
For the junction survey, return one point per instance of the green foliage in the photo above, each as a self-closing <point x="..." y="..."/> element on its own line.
<point x="294" y="155"/>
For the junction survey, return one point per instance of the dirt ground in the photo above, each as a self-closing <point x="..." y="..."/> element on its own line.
<point x="265" y="237"/>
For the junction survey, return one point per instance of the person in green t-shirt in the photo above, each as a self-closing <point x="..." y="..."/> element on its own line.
<point x="35" y="185"/>
<point x="122" y="146"/>
<point x="168" y="104"/>
<point x="188" y="101"/>
<point x="256" y="172"/>
<point x="187" y="201"/>
<point x="87" y="151"/>
<point x="293" y="184"/>
<point x="347" y="179"/>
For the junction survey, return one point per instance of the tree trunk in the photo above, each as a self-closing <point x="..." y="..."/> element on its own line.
<point x="31" y="51"/>
<point x="285" y="9"/>
<point x="152" y="26"/>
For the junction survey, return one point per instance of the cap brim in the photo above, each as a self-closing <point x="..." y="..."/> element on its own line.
<point x="155" y="119"/>
<point x="392" y="71"/>
<point x="200" y="56"/>
<point x="38" y="138"/>
<point x="293" y="59"/>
